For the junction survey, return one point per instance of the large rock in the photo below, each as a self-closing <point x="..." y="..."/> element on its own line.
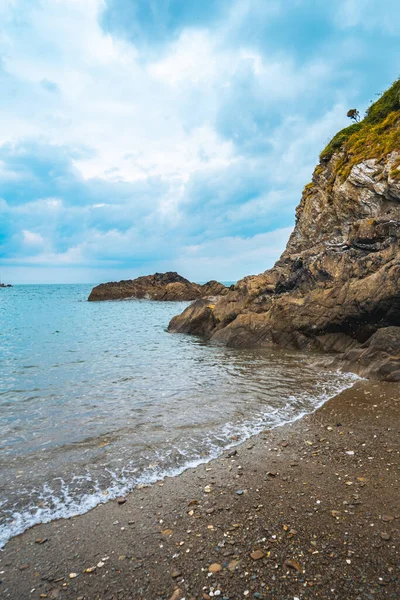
<point x="338" y="281"/>
<point x="160" y="286"/>
<point x="379" y="357"/>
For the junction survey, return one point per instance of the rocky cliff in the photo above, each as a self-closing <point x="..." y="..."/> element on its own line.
<point x="336" y="287"/>
<point x="160" y="286"/>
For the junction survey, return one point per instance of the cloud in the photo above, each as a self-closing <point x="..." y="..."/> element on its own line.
<point x="31" y="238"/>
<point x="150" y="135"/>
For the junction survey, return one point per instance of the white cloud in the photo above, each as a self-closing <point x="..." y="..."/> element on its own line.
<point x="32" y="239"/>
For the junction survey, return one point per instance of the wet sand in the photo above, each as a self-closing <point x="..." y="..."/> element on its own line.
<point x="309" y="510"/>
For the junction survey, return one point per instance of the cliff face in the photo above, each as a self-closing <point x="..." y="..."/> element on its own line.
<point x="160" y="286"/>
<point x="336" y="287"/>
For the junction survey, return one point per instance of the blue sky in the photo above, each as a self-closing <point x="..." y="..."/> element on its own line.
<point x="150" y="135"/>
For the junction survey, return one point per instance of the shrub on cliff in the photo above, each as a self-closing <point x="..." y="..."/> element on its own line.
<point x="377" y="134"/>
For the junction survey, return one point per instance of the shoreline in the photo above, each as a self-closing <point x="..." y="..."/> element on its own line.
<point x="293" y="493"/>
<point x="73" y="507"/>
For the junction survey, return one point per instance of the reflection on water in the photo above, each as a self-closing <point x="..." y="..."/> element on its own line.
<point x="96" y="397"/>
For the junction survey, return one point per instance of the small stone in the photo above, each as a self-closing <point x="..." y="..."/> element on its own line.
<point x="240" y="492"/>
<point x="231" y="453"/>
<point x="177" y="595"/>
<point x="100" y="564"/>
<point x="385" y="536"/>
<point x="73" y="575"/>
<point x="176" y="574"/>
<point x="292" y="564"/>
<point x="167" y="532"/>
<point x="387" y="518"/>
<point x="233" y="565"/>
<point x="121" y="501"/>
<point x="41" y="540"/>
<point x="272" y="473"/>
<point x="257" y="554"/>
<point x="90" y="570"/>
<point x="215" y="568"/>
<point x="207" y="489"/>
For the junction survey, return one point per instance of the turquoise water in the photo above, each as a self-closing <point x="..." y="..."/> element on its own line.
<point x="98" y="397"/>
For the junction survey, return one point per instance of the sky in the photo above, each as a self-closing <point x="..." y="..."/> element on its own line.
<point x="152" y="135"/>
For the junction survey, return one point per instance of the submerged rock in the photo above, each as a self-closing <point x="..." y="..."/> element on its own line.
<point x="160" y="286"/>
<point x="336" y="287"/>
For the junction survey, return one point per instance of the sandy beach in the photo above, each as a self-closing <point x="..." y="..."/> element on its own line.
<point x="308" y="510"/>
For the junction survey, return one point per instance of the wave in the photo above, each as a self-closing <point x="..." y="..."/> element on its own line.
<point x="66" y="503"/>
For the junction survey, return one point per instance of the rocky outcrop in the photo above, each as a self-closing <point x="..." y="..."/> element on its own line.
<point x="160" y="286"/>
<point x="336" y="287"/>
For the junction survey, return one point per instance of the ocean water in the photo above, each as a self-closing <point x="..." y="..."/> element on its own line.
<point x="96" y="398"/>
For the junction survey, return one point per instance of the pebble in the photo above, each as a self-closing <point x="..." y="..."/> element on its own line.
<point x="292" y="564"/>
<point x="240" y="492"/>
<point x="387" y="518"/>
<point x="73" y="575"/>
<point x="257" y="554"/>
<point x="233" y="565"/>
<point x="215" y="568"/>
<point x="207" y="489"/>
<point x="385" y="536"/>
<point x="121" y="500"/>
<point x="176" y="574"/>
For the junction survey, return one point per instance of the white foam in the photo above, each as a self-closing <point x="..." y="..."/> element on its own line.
<point x="63" y="505"/>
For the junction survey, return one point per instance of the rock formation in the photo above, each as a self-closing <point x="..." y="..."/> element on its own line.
<point x="336" y="287"/>
<point x="160" y="286"/>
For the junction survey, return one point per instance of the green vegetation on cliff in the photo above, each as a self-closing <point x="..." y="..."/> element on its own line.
<point x="375" y="136"/>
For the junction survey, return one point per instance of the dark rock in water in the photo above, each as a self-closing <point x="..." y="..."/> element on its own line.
<point x="336" y="287"/>
<point x="160" y="286"/>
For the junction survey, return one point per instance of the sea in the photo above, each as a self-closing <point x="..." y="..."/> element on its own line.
<point x="97" y="398"/>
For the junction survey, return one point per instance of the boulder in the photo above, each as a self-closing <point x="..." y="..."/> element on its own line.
<point x="378" y="357"/>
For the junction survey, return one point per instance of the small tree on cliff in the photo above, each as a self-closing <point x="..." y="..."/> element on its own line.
<point x="354" y="115"/>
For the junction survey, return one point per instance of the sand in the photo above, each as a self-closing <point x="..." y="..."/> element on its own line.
<point x="309" y="510"/>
